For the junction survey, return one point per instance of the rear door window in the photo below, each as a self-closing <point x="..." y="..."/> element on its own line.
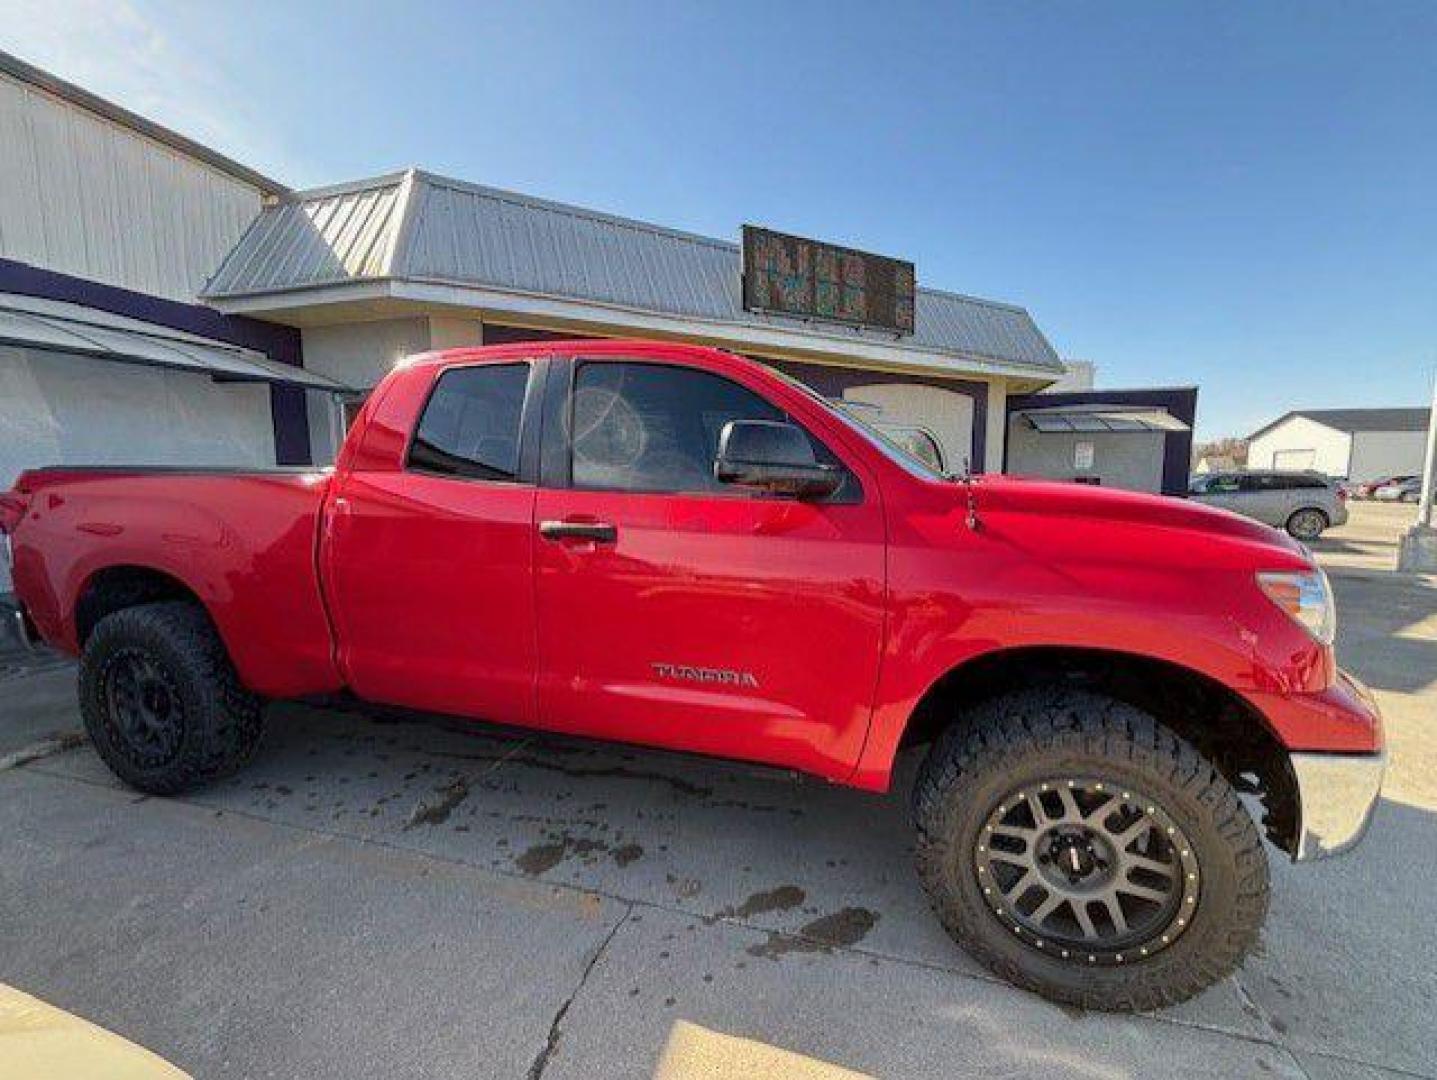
<point x="470" y="426"/>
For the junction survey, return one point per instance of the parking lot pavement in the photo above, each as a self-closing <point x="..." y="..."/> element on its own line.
<point x="406" y="898"/>
<point x="37" y="703"/>
<point x="1369" y="539"/>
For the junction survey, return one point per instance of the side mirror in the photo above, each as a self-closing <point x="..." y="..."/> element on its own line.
<point x="772" y="457"/>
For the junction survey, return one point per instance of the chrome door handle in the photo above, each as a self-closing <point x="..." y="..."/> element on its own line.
<point x="600" y="532"/>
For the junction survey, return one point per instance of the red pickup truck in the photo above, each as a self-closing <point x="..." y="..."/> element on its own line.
<point x="674" y="546"/>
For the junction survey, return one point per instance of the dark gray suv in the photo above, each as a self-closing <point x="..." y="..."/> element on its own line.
<point x="1303" y="503"/>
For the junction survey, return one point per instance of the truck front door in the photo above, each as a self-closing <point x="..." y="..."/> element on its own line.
<point x="678" y="611"/>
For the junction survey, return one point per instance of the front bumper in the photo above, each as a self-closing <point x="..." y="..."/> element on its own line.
<point x="1336" y="796"/>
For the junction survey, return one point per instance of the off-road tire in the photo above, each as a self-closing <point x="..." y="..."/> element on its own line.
<point x="1295" y="527"/>
<point x="218" y="723"/>
<point x="1027" y="736"/>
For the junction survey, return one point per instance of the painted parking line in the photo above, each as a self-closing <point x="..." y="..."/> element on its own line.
<point x="41" y="1042"/>
<point x="696" y="1053"/>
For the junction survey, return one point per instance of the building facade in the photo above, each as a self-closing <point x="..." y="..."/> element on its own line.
<point x="372" y="270"/>
<point x="162" y="304"/>
<point x="109" y="227"/>
<point x="1138" y="440"/>
<point x="1353" y="444"/>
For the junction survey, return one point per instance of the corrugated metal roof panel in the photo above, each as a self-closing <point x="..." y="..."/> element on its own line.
<point x="322" y="238"/>
<point x="449" y="231"/>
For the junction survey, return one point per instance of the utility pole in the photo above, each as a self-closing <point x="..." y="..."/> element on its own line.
<point x="1418" y="553"/>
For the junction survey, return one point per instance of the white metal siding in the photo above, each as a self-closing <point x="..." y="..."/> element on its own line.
<point x="58" y="409"/>
<point x="1330" y="448"/>
<point x="84" y="196"/>
<point x="1387" y="453"/>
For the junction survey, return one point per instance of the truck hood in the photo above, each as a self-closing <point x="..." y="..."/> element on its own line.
<point x="1156" y="521"/>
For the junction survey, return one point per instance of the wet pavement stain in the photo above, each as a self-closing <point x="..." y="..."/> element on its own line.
<point x="684" y="888"/>
<point x="437" y="812"/>
<point x="627" y="854"/>
<point x="541" y="857"/>
<point x="782" y="898"/>
<point x="841" y="930"/>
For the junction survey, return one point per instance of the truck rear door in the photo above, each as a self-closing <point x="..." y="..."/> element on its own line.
<point x="429" y="566"/>
<point x="678" y="611"/>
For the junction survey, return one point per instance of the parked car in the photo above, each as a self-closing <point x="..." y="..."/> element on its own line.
<point x="1368" y="489"/>
<point x="1408" y="489"/>
<point x="674" y="546"/>
<point x="1303" y="503"/>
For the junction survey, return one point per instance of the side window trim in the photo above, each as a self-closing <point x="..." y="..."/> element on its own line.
<point x="529" y="422"/>
<point x="556" y="454"/>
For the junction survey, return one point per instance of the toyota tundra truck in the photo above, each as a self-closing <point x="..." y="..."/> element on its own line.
<point x="673" y="546"/>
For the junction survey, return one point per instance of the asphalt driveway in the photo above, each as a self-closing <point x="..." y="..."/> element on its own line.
<point x="396" y="898"/>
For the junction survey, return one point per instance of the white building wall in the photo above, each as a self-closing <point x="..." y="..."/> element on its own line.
<point x="360" y="354"/>
<point x="87" y="197"/>
<point x="997" y="427"/>
<point x="1377" y="454"/>
<point x="57" y="409"/>
<point x="1300" y="443"/>
<point x="1077" y="375"/>
<point x="1132" y="460"/>
<point x="944" y="414"/>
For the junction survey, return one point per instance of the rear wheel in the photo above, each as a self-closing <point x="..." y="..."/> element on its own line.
<point x="161" y="701"/>
<point x="1307" y="524"/>
<point x="1079" y="849"/>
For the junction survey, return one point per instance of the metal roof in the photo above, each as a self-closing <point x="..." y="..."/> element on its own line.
<point x="419" y="227"/>
<point x="77" y="95"/>
<point x="1351" y="420"/>
<point x="57" y="326"/>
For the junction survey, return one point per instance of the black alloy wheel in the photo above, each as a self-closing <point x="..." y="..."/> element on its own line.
<point x="1093" y="871"/>
<point x="161" y="700"/>
<point x="144" y="712"/>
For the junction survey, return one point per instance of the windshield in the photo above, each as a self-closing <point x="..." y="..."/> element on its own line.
<point x="895" y="453"/>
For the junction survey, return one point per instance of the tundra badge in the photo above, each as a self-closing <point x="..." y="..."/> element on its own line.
<point x="722" y="676"/>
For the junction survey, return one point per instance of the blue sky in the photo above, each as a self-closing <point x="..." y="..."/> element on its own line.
<point x="1241" y="196"/>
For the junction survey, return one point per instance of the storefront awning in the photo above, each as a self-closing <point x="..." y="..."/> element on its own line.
<point x="30" y="322"/>
<point x="1101" y="418"/>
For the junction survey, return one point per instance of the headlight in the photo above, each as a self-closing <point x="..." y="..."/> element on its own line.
<point x="1307" y="597"/>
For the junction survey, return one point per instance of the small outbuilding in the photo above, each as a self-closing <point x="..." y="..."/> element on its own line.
<point x="1355" y="444"/>
<point x="1140" y="440"/>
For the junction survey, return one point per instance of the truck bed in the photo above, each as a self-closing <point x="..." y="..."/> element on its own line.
<point x="242" y="540"/>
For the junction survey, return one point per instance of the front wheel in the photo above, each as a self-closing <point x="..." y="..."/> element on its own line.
<point x="1081" y="850"/>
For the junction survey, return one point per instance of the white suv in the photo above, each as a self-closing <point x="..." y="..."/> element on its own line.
<point x="1303" y="503"/>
